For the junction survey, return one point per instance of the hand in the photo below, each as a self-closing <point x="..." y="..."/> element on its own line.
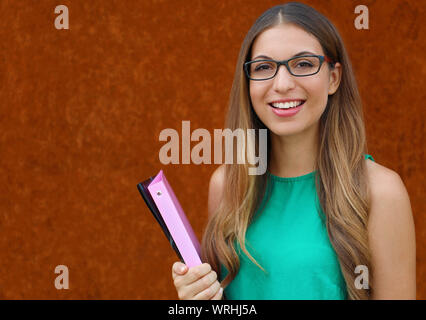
<point x="196" y="283"/>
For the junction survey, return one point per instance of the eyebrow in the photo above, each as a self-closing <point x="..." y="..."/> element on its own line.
<point x="297" y="54"/>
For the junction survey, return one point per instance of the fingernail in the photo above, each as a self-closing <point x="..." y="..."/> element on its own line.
<point x="182" y="269"/>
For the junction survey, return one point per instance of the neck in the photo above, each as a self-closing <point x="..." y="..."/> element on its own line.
<point x="294" y="155"/>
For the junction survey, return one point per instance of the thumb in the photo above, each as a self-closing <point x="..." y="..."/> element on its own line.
<point x="180" y="268"/>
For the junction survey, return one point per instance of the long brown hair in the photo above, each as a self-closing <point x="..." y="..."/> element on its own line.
<point x="341" y="179"/>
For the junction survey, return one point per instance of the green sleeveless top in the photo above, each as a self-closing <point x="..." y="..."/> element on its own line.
<point x="288" y="238"/>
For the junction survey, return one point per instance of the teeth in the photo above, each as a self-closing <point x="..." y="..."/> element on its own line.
<point x="286" y="105"/>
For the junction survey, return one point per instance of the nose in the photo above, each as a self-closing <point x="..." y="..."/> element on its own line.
<point x="283" y="80"/>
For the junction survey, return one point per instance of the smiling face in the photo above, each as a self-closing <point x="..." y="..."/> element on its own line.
<point x="282" y="42"/>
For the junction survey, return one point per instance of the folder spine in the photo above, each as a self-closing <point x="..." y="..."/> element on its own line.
<point x="176" y="220"/>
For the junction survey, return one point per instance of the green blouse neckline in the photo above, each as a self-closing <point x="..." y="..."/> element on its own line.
<point x="292" y="179"/>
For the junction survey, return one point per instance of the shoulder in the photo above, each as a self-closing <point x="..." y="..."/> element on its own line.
<point x="388" y="195"/>
<point x="385" y="184"/>
<point x="391" y="234"/>
<point x="216" y="186"/>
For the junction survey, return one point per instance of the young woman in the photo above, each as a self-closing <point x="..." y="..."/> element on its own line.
<point x="325" y="221"/>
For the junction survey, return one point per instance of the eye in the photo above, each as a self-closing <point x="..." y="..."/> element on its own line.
<point x="262" y="67"/>
<point x="304" y="64"/>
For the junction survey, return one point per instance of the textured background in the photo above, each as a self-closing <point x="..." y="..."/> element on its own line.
<point x="81" y="111"/>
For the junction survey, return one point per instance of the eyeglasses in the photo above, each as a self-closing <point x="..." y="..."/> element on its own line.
<point x="299" y="66"/>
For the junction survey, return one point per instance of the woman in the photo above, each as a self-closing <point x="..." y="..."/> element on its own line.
<point x="325" y="221"/>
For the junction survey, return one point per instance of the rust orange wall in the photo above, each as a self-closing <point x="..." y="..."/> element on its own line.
<point x="81" y="111"/>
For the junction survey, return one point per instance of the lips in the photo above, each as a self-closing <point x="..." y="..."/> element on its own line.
<point x="287" y="109"/>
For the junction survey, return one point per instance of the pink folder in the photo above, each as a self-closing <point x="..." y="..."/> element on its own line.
<point x="179" y="229"/>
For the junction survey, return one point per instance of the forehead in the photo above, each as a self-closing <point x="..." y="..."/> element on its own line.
<point x="283" y="41"/>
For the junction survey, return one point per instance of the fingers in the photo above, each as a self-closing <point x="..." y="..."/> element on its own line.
<point x="208" y="293"/>
<point x="193" y="274"/>
<point x="204" y="282"/>
<point x="218" y="295"/>
<point x="199" y="282"/>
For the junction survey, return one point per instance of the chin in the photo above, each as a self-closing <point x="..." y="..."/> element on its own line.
<point x="287" y="129"/>
<point x="284" y="132"/>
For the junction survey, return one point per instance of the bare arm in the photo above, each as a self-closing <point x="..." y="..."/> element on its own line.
<point x="392" y="236"/>
<point x="216" y="190"/>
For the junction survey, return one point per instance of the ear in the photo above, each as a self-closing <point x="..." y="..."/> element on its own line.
<point x="335" y="77"/>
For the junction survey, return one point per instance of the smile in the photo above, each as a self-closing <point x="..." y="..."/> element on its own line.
<point x="286" y="108"/>
<point x="287" y="105"/>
